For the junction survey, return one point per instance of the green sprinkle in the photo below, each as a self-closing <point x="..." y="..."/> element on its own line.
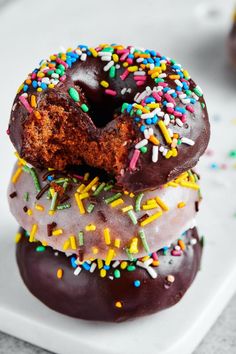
<point x="129" y="255"/>
<point x="63" y="206"/>
<point x="144" y="241"/>
<point x="124" y="106"/>
<point x="81" y="238"/>
<point x="84" y="107"/>
<point x="138" y="202"/>
<point x="117" y="274"/>
<point x="50" y="72"/>
<point x="157" y="80"/>
<point x="139" y="112"/>
<point x="59" y="181"/>
<point x="53" y="202"/>
<point x="40" y="249"/>
<point x="90" y="208"/>
<point x="143" y="149"/>
<point x="197" y="91"/>
<point x="179" y="142"/>
<point x="108" y="187"/>
<point x="131" y="268"/>
<point x="49" y="196"/>
<point x="35" y="179"/>
<point x="99" y="189"/>
<point x="203" y="105"/>
<point x="232" y="153"/>
<point x="113" y="198"/>
<point x="108" y="49"/>
<point x="73" y="94"/>
<point x="132" y="217"/>
<point x="26" y="168"/>
<point x="26" y="196"/>
<point x="112" y="72"/>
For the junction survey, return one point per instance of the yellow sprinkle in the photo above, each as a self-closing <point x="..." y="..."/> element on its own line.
<point x="73" y="242"/>
<point x="125" y="209"/>
<point x="39" y="89"/>
<point x="22" y="161"/>
<point x="168" y="154"/>
<point x="51" y="85"/>
<point x="151" y="218"/>
<point x="131" y="195"/>
<point x="189" y="185"/>
<point x="183" y="175"/>
<point x="51" y="212"/>
<point x="156" y="69"/>
<point x="164" y="131"/>
<point x="153" y="105"/>
<point x="162" y="204"/>
<point x="95" y="250"/>
<point x="163" y="66"/>
<point x="94" y="52"/>
<point x="117" y="243"/>
<point x="33" y="233"/>
<point x="126" y="192"/>
<point x="123" y="264"/>
<point x="44" y="243"/>
<point x="186" y="74"/>
<point x="151" y="201"/>
<point x="172" y="184"/>
<point x="29" y="212"/>
<point x="59" y="273"/>
<point x="154" y="75"/>
<point x="174" y="152"/>
<point x="125" y="65"/>
<point x="143" y="109"/>
<point x="20" y="88"/>
<point x="145" y="258"/>
<point x="81" y="188"/>
<point x="132" y="69"/>
<point x="134" y="245"/>
<point x="174" y="77"/>
<point x="86" y="176"/>
<point x="33" y="101"/>
<point x="89" y="186"/>
<point x="109" y="257"/>
<point x="181" y="244"/>
<point x="90" y="227"/>
<point x="57" y="232"/>
<point x="181" y="205"/>
<point x="118" y="304"/>
<point x="115" y="58"/>
<point x="18" y="237"/>
<point x="150" y="206"/>
<point x="117" y="202"/>
<point x="79" y="203"/>
<point x="100" y="263"/>
<point x="154" y="140"/>
<point x="16" y="175"/>
<point x="107" y="237"/>
<point x="52" y="191"/>
<point x="39" y="207"/>
<point x="103" y="273"/>
<point x="66" y="245"/>
<point x="104" y="83"/>
<point x="84" y="195"/>
<point x="40" y="74"/>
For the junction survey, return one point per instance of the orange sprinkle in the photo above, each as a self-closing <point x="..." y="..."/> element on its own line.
<point x="181" y="244"/>
<point x="118" y="304"/>
<point x="59" y="273"/>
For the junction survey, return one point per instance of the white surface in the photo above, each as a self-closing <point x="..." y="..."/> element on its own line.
<point x="193" y="34"/>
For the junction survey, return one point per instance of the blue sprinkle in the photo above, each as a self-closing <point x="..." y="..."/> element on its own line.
<point x="72" y="261"/>
<point x="106" y="267"/>
<point x="86" y="266"/>
<point x="214" y="165"/>
<point x="154" y="120"/>
<point x="44" y="86"/>
<point x="25" y="88"/>
<point x="142" y="128"/>
<point x="180" y="109"/>
<point x="137" y="119"/>
<point x="145" y="61"/>
<point x="35" y="84"/>
<point x="128" y="109"/>
<point x="50" y="178"/>
<point x="137" y="283"/>
<point x="149" y="121"/>
<point x="150" y="99"/>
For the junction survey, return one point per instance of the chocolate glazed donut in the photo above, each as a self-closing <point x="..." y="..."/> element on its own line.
<point x="50" y="278"/>
<point x="131" y="112"/>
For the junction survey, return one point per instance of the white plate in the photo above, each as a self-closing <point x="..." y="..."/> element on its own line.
<point x="194" y="32"/>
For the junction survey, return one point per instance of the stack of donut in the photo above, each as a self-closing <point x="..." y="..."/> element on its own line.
<point x="104" y="189"/>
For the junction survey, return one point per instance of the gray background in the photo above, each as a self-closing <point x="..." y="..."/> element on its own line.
<point x="221" y="338"/>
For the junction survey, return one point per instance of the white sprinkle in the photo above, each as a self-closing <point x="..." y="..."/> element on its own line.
<point x="25" y="94"/>
<point x="170" y="91"/>
<point x="161" y="76"/>
<point x="139" y="73"/>
<point x="193" y="241"/>
<point x="117" y="66"/>
<point x="150" y="131"/>
<point x="141" y="264"/>
<point x="170" y="132"/>
<point x="170" y="104"/>
<point x="166" y="119"/>
<point x="115" y="264"/>
<point x="161" y="113"/>
<point x="148" y="89"/>
<point x="77" y="270"/>
<point x="78" y="51"/>
<point x="148" y="262"/>
<point x="185" y="101"/>
<point x="152" y="66"/>
<point x="178" y="83"/>
<point x="111" y="277"/>
<point x="151" y="272"/>
<point x="129" y="90"/>
<point x="142" y="143"/>
<point x="54" y="81"/>
<point x="83" y="57"/>
<point x="55" y="75"/>
<point x="165" y="152"/>
<point x="14" y="106"/>
<point x="146" y="134"/>
<point x="123" y="91"/>
<point x="182" y="95"/>
<point x="108" y="66"/>
<point x="139" y="60"/>
<point x="46" y="80"/>
<point x="136" y="97"/>
<point x="155" y="150"/>
<point x="179" y="122"/>
<point x="102" y="53"/>
<point x="187" y="141"/>
<point x="147" y="115"/>
<point x="161" y="148"/>
<point x="177" y="248"/>
<point x="199" y="89"/>
<point x="195" y="96"/>
<point x="93" y="267"/>
<point x="105" y="58"/>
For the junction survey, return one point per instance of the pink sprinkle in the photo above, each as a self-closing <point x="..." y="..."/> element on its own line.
<point x="155" y="256"/>
<point x="8" y="131"/>
<point x="110" y="92"/>
<point x="58" y="60"/>
<point x="156" y="96"/>
<point x="62" y="78"/>
<point x="122" y="51"/>
<point x="134" y="159"/>
<point x="139" y="78"/>
<point x="26" y="104"/>
<point x="184" y="118"/>
<point x="176" y="253"/>
<point x="33" y="75"/>
<point x="140" y="83"/>
<point x="124" y="56"/>
<point x="162" y="84"/>
<point x="124" y="75"/>
<point x="170" y="99"/>
<point x="170" y="110"/>
<point x="178" y="114"/>
<point x="130" y="60"/>
<point x="190" y="108"/>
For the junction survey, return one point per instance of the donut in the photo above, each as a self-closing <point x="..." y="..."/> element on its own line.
<point x="82" y="212"/>
<point x="120" y="292"/>
<point x="131" y="112"/>
<point x="232" y="42"/>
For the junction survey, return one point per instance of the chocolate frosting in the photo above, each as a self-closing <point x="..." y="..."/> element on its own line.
<point x="88" y="296"/>
<point x="104" y="117"/>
